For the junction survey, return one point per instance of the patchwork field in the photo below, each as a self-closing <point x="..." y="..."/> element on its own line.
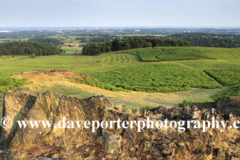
<point x="197" y="73"/>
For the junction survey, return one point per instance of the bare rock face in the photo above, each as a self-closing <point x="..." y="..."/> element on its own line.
<point x="52" y="107"/>
<point x="72" y="109"/>
<point x="100" y="101"/>
<point x="45" y="108"/>
<point x="16" y="106"/>
<point x="229" y="105"/>
<point x="224" y="105"/>
<point x="111" y="143"/>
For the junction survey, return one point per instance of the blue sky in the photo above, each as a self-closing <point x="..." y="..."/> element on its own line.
<point x="123" y="13"/>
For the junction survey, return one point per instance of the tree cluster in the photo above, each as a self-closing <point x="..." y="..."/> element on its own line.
<point x="209" y="40"/>
<point x="131" y="43"/>
<point x="50" y="41"/>
<point x="28" y="48"/>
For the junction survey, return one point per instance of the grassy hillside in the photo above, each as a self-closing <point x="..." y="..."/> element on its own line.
<point x="157" y="78"/>
<point x="126" y="70"/>
<point x="184" y="53"/>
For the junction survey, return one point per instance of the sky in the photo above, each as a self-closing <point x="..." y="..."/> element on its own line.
<point x="119" y="13"/>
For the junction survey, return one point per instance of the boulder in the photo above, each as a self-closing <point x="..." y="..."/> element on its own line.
<point x="167" y="151"/>
<point x="101" y="101"/>
<point x="224" y="105"/>
<point x="187" y="109"/>
<point x="196" y="115"/>
<point x="16" y="106"/>
<point x="208" y="114"/>
<point x="111" y="143"/>
<point x="130" y="135"/>
<point x="159" y="109"/>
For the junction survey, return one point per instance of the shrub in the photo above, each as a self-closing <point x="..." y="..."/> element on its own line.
<point x="33" y="56"/>
<point x="184" y="103"/>
<point x="7" y="83"/>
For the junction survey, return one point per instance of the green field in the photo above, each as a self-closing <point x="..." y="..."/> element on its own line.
<point x="225" y="77"/>
<point x="212" y="68"/>
<point x="231" y="91"/>
<point x="184" y="53"/>
<point x="157" y="78"/>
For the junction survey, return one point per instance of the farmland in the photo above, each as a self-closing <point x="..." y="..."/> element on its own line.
<point x="157" y="78"/>
<point x="225" y="77"/>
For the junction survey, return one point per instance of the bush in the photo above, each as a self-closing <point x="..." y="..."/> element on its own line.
<point x="184" y="103"/>
<point x="7" y="83"/>
<point x="33" y="56"/>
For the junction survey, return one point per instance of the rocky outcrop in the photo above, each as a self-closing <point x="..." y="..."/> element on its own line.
<point x="16" y="107"/>
<point x="224" y="105"/>
<point x="115" y="142"/>
<point x="48" y="106"/>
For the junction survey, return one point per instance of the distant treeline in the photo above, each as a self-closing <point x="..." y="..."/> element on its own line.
<point x="96" y="39"/>
<point x="195" y="39"/>
<point x="131" y="43"/>
<point x="208" y="40"/>
<point x="50" y="41"/>
<point x="28" y="48"/>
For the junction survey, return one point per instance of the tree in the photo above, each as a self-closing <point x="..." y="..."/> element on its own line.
<point x="33" y="56"/>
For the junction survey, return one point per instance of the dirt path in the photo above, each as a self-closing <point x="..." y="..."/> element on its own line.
<point x="75" y="65"/>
